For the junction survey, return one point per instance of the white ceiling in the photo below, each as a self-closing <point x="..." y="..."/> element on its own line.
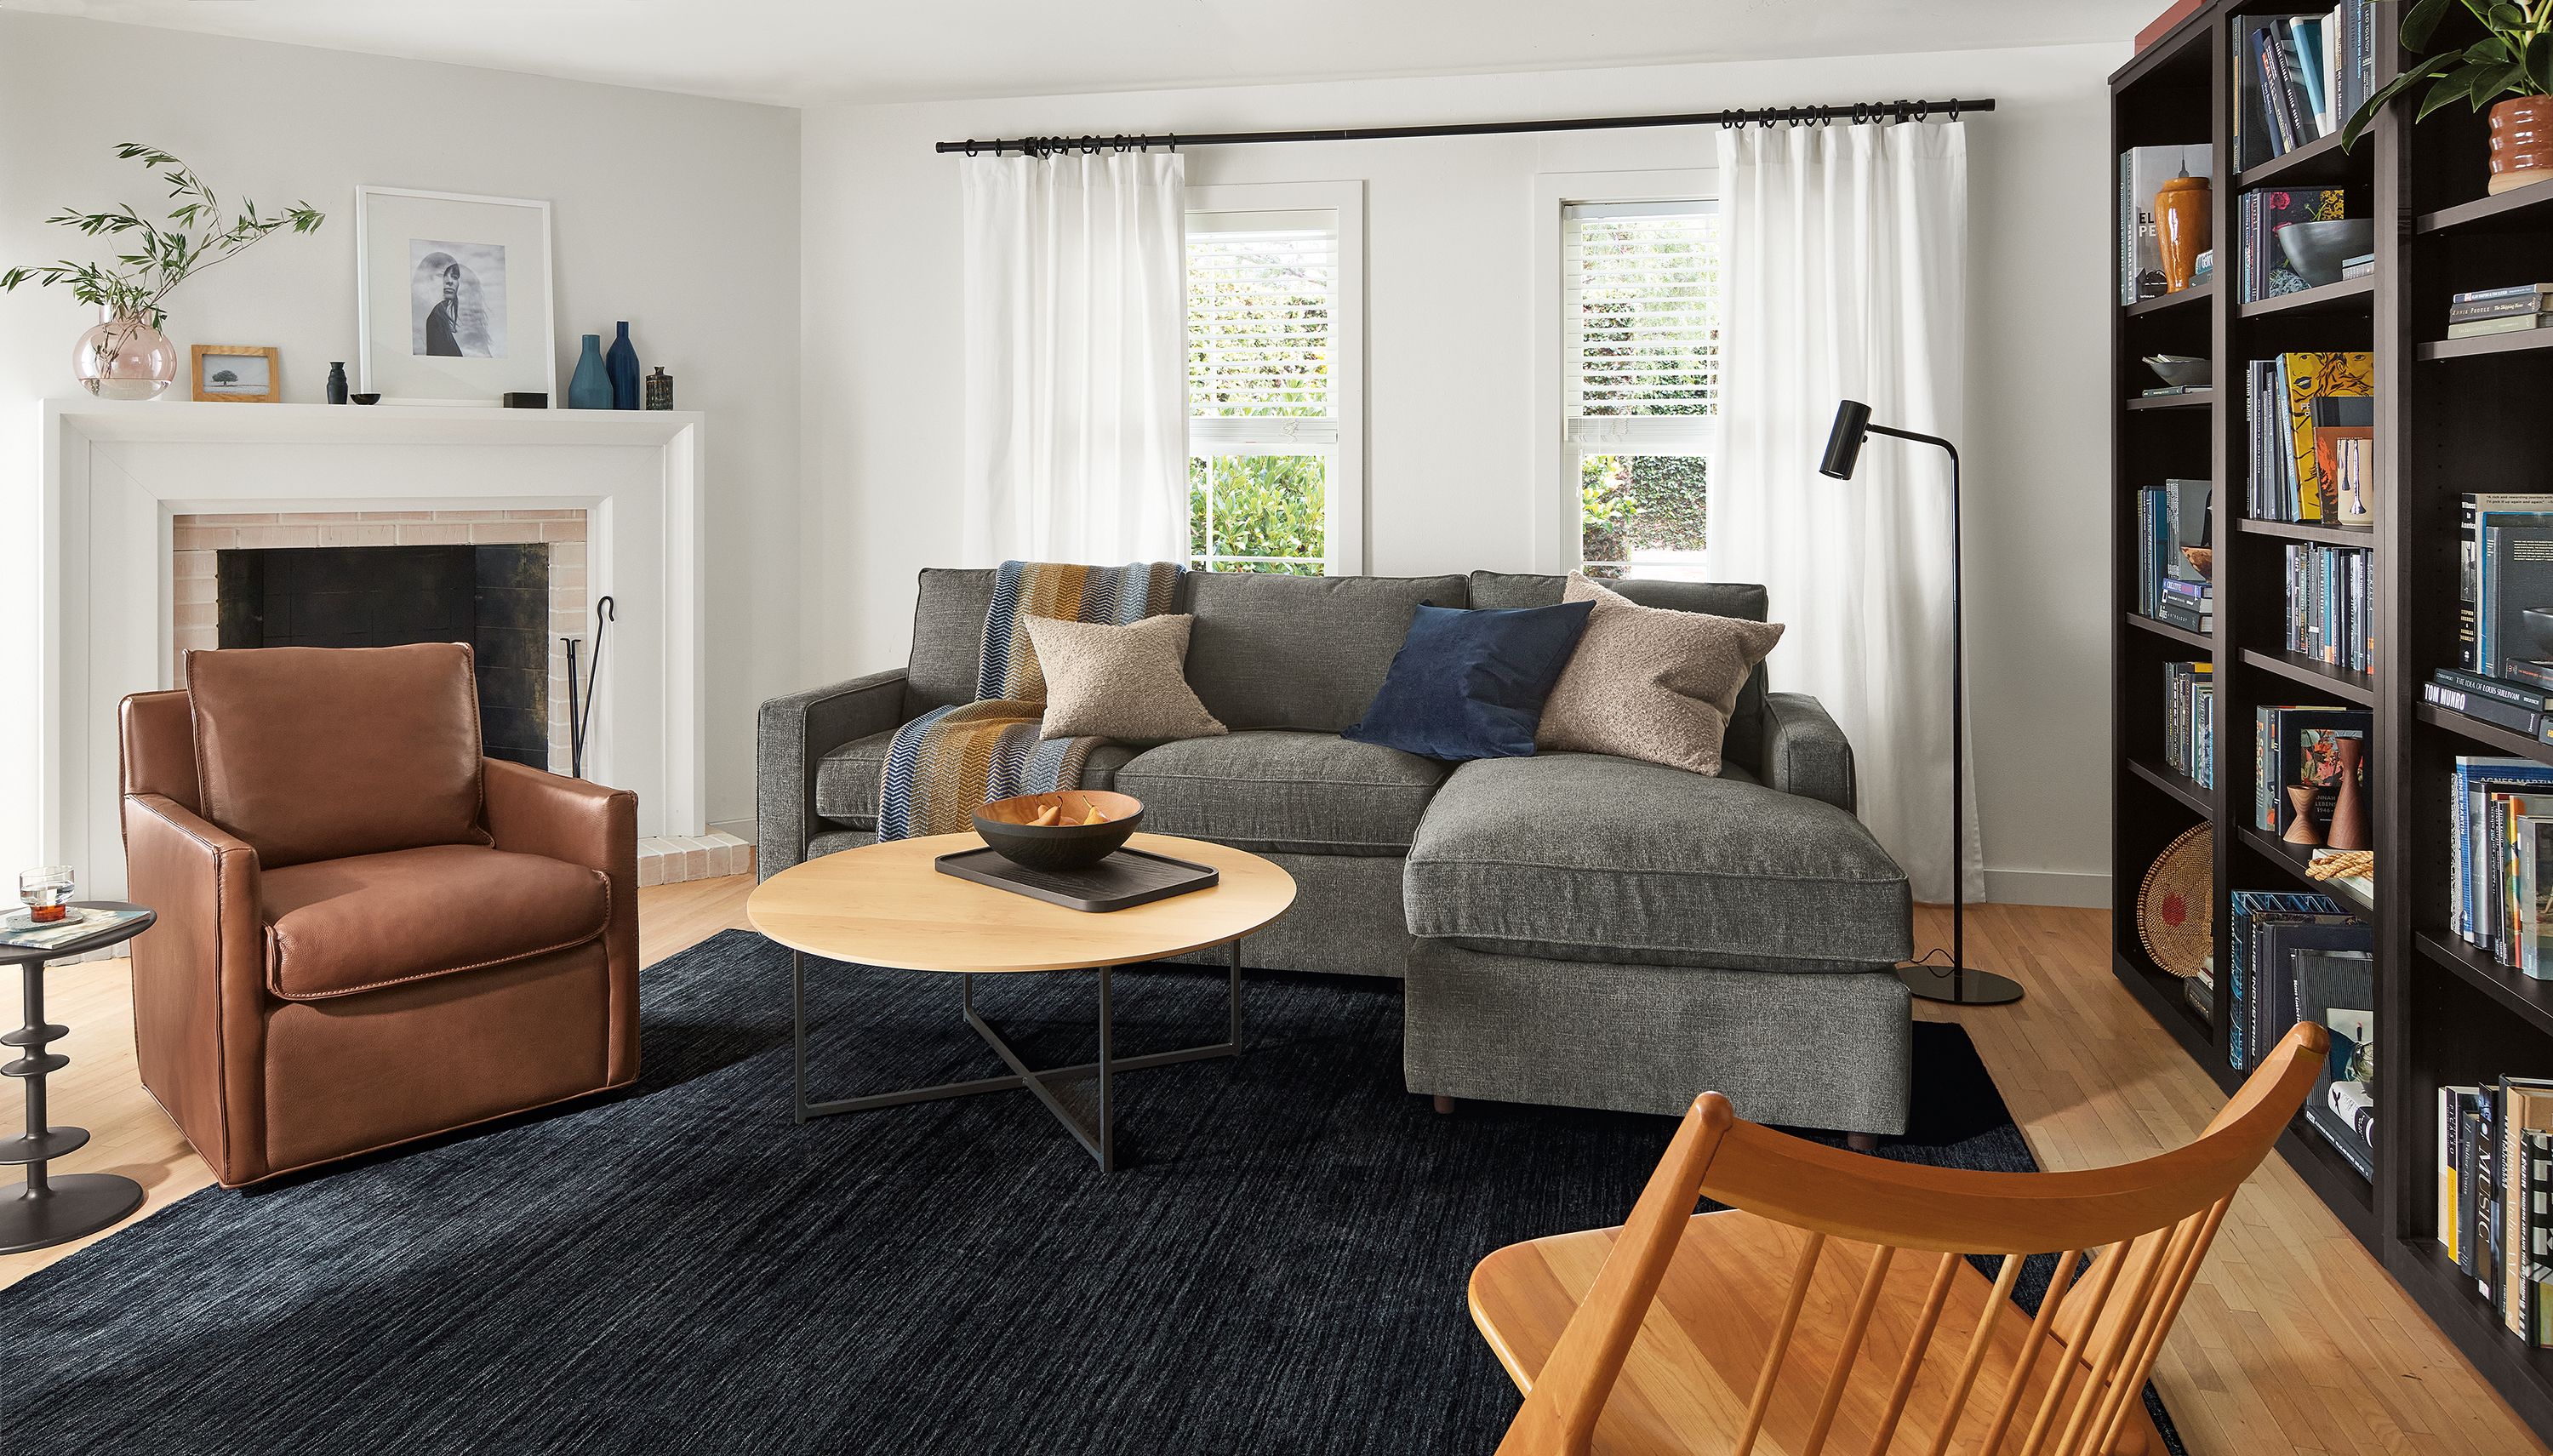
<point x="800" y="51"/>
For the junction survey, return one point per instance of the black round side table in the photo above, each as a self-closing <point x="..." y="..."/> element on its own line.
<point x="46" y="1210"/>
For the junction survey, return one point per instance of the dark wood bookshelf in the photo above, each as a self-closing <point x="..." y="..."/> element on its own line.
<point x="2355" y="688"/>
<point x="2183" y="635"/>
<point x="2305" y="530"/>
<point x="2511" y="343"/>
<point x="2451" y="416"/>
<point x="2196" y="399"/>
<point x="2346" y="294"/>
<point x="2517" y="210"/>
<point x="2490" y="734"/>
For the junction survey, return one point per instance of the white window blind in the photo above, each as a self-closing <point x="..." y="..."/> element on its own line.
<point x="1641" y="297"/>
<point x="1262" y="289"/>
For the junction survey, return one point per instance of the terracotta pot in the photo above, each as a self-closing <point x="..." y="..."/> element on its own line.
<point x="2183" y="208"/>
<point x="2521" y="143"/>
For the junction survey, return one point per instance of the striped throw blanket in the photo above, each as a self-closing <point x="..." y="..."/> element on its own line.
<point x="942" y="765"/>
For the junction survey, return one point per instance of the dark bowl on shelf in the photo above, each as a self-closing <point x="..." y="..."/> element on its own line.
<point x="366" y="399"/>
<point x="2319" y="249"/>
<point x="1071" y="844"/>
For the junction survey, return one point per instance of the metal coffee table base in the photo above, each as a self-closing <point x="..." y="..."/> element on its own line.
<point x="1095" y="1136"/>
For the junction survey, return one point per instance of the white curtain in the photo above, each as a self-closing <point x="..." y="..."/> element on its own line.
<point x="1846" y="251"/>
<point x="1076" y="358"/>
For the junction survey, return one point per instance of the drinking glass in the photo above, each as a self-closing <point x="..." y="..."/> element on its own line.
<point x="47" y="893"/>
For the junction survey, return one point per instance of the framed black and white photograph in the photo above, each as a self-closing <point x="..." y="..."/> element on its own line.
<point x="453" y="296"/>
<point x="238" y="372"/>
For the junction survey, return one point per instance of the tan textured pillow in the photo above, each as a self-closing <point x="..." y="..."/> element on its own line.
<point x="1650" y="682"/>
<point x="1110" y="681"/>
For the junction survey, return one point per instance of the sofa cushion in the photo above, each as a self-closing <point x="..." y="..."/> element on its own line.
<point x="1744" y="601"/>
<point x="1652" y="683"/>
<point x="322" y="752"/>
<point x="1117" y="680"/>
<point x="1305" y="653"/>
<point x="847" y="779"/>
<point x="948" y="607"/>
<point x="1580" y="856"/>
<point x="1273" y="790"/>
<point x="1471" y="684"/>
<point x="335" y="927"/>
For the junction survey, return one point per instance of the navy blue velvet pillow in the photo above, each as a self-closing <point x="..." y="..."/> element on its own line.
<point x="1471" y="684"/>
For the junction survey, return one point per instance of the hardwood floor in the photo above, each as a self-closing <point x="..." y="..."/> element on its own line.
<point x="2293" y="1341"/>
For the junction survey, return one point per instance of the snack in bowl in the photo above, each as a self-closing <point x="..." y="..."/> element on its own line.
<point x="1070" y="830"/>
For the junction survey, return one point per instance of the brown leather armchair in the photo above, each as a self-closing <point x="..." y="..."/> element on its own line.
<point x="368" y="932"/>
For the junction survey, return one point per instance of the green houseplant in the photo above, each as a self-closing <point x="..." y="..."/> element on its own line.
<point x="2511" y="65"/>
<point x="125" y="357"/>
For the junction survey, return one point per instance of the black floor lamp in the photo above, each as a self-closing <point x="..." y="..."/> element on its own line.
<point x="1955" y="983"/>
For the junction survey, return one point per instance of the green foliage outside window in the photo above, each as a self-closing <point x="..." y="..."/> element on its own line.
<point x="1262" y="506"/>
<point x="1636" y="502"/>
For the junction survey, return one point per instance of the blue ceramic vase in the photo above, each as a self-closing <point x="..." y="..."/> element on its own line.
<point x="590" y="388"/>
<point x="621" y="362"/>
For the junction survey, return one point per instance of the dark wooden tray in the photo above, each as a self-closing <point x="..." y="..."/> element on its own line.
<point x="1124" y="879"/>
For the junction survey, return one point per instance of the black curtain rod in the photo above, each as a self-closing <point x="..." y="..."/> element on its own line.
<point x="1865" y="111"/>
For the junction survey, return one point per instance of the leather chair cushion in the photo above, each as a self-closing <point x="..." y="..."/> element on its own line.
<point x="336" y="927"/>
<point x="314" y="753"/>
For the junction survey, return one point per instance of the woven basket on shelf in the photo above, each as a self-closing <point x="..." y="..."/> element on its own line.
<point x="2177" y="903"/>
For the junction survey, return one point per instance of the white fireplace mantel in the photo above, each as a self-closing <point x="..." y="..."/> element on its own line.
<point x="116" y="473"/>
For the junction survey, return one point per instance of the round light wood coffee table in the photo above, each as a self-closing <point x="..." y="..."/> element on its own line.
<point x="886" y="905"/>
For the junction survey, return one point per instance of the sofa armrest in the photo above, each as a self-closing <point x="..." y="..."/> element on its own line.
<point x="793" y="735"/>
<point x="199" y="980"/>
<point x="530" y="812"/>
<point x="1804" y="753"/>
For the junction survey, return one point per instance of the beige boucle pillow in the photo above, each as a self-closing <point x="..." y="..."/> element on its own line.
<point x="1650" y="682"/>
<point x="1105" y="680"/>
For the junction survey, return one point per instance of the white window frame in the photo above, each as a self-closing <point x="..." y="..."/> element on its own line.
<point x="1340" y="439"/>
<point x="1556" y="536"/>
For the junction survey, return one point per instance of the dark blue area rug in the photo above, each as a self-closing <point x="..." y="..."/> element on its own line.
<point x="1280" y="1269"/>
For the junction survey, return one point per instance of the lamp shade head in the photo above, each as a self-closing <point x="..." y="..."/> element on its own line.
<point x="1843" y="442"/>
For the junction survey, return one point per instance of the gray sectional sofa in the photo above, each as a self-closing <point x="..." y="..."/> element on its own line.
<point x="1573" y="928"/>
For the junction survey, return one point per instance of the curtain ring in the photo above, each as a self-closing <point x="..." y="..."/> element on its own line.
<point x="1922" y="111"/>
<point x="1955" y="108"/>
<point x="970" y="145"/>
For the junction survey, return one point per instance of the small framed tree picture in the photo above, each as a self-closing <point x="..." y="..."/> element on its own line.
<point x="244" y="374"/>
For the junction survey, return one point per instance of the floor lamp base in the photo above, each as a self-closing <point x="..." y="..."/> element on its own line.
<point x="1957" y="986"/>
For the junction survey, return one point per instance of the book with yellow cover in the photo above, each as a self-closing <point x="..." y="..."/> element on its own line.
<point x="2311" y="377"/>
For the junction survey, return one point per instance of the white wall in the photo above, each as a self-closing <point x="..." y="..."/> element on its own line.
<point x="1450" y="400"/>
<point x="676" y="213"/>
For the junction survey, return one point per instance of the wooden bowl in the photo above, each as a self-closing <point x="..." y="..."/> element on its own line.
<point x="1005" y="825"/>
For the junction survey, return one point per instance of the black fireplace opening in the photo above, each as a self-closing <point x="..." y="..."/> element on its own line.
<point x="495" y="598"/>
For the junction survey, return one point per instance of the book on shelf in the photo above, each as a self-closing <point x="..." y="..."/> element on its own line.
<point x="2480" y="705"/>
<point x="2171" y="516"/>
<point x="2477" y="783"/>
<point x="2254" y="911"/>
<point x="2292" y="400"/>
<point x="2199" y="991"/>
<point x="2162" y="391"/>
<point x="2299" y="77"/>
<point x="2509" y="310"/>
<point x="2358" y="267"/>
<point x="2189" y="720"/>
<point x="2513" y="589"/>
<point x="2533" y="677"/>
<point x="2329" y="614"/>
<point x="2477" y="513"/>
<point x="2336" y="989"/>
<point x="2142" y="172"/>
<point x="2297" y="746"/>
<point x="2495" y="1217"/>
<point x="2482" y="328"/>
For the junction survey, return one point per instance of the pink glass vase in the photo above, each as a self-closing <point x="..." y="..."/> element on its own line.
<point x="122" y="357"/>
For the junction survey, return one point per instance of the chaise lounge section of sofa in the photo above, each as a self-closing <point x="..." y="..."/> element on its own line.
<point x="1573" y="928"/>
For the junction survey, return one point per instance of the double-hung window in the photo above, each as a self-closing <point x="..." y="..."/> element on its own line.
<point x="1639" y="368"/>
<point x="1274" y="406"/>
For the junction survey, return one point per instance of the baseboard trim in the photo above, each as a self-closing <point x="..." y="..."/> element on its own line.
<point x="2048" y="887"/>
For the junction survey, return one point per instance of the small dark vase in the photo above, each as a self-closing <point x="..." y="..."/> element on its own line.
<point x="661" y="390"/>
<point x="621" y="362"/>
<point x="2349" y="829"/>
<point x="337" y="384"/>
